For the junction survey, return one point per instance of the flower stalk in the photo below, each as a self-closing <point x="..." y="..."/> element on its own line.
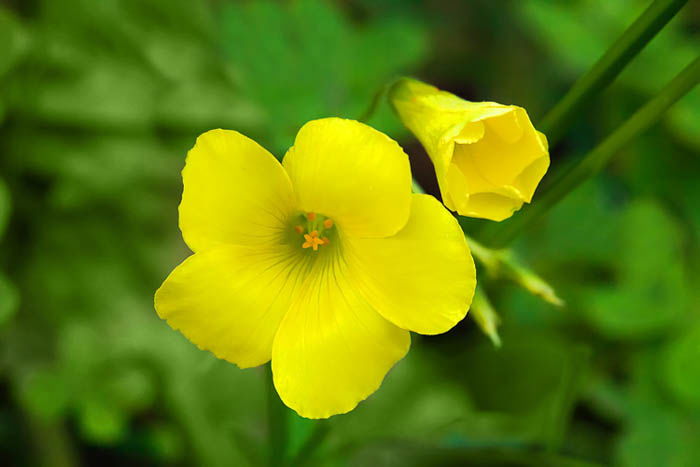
<point x="277" y="426"/>
<point x="503" y="264"/>
<point x="377" y="99"/>
<point x="502" y="234"/>
<point x="310" y="447"/>
<point x="609" y="66"/>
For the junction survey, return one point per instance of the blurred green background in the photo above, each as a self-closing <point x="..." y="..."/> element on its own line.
<point x="99" y="102"/>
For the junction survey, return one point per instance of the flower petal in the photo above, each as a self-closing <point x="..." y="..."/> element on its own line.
<point x="488" y="157"/>
<point x="353" y="174"/>
<point x="499" y="171"/>
<point x="435" y="117"/>
<point x="496" y="157"/>
<point x="235" y="192"/>
<point x="423" y="278"/>
<point x="332" y="349"/>
<point x="494" y="206"/>
<point x="230" y="300"/>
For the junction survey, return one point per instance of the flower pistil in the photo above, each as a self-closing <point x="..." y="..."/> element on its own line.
<point x="313" y="232"/>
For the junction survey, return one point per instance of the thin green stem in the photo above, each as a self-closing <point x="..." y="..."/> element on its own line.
<point x="276" y="425"/>
<point x="501" y="263"/>
<point x="604" y="72"/>
<point x="52" y="443"/>
<point x="376" y="101"/>
<point x="309" y="448"/>
<point x="502" y="234"/>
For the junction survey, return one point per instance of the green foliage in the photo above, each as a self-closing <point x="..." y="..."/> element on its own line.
<point x="681" y="370"/>
<point x="648" y="293"/>
<point x="565" y="27"/>
<point x="13" y="39"/>
<point x="304" y="60"/>
<point x="658" y="437"/>
<point x="9" y="299"/>
<point x="4" y="207"/>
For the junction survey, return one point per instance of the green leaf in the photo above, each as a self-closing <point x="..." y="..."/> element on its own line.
<point x="129" y="388"/>
<point x="684" y="119"/>
<point x="639" y="310"/>
<point x="199" y="105"/>
<point x="578" y="230"/>
<point x="127" y="172"/>
<point x="46" y="393"/>
<point x="101" y="422"/>
<point x="649" y="294"/>
<point x="126" y="65"/>
<point x="681" y="369"/>
<point x="13" y="40"/>
<point x="649" y="240"/>
<point x="523" y="391"/>
<point x="165" y="441"/>
<point x="109" y="94"/>
<point x="329" y="66"/>
<point x="657" y="436"/>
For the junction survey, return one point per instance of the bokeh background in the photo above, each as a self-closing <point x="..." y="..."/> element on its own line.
<point x="99" y="102"/>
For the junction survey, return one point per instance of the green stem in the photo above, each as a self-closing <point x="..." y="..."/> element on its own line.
<point x="309" y="448"/>
<point x="604" y="72"/>
<point x="501" y="263"/>
<point x="52" y="443"/>
<point x="502" y="234"/>
<point x="276" y="424"/>
<point x="376" y="101"/>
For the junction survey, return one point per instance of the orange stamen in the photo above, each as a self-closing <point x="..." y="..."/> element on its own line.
<point x="312" y="241"/>
<point x="313" y="238"/>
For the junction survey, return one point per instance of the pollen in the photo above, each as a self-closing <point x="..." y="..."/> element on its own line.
<point x="312" y="241"/>
<point x="315" y="229"/>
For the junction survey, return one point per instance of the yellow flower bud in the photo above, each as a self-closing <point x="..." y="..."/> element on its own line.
<point x="488" y="157"/>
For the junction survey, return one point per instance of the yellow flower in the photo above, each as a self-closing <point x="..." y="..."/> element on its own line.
<point x="488" y="157"/>
<point x="322" y="264"/>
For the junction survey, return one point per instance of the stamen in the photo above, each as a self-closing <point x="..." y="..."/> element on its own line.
<point x="314" y="238"/>
<point x="312" y="242"/>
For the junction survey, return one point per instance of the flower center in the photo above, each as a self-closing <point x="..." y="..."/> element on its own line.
<point x="314" y="229"/>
